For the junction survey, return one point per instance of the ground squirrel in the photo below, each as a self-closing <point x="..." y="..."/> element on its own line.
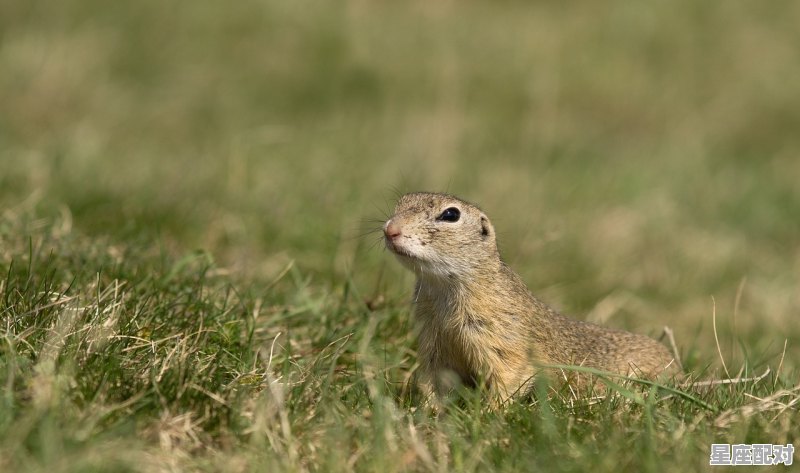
<point x="478" y="322"/>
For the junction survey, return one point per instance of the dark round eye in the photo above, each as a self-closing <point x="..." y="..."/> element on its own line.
<point x="450" y="215"/>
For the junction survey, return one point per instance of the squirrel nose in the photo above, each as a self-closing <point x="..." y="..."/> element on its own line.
<point x="391" y="230"/>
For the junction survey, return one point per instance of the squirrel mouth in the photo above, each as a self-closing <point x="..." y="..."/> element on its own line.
<point x="398" y="250"/>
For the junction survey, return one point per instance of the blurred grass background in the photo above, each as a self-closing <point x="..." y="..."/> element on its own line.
<point x="637" y="158"/>
<point x="642" y="152"/>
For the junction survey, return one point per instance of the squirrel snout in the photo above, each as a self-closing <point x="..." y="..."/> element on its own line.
<point x="391" y="230"/>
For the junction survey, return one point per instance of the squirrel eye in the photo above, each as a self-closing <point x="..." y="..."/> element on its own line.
<point x="450" y="215"/>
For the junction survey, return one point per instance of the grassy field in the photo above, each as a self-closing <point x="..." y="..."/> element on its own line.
<point x="190" y="193"/>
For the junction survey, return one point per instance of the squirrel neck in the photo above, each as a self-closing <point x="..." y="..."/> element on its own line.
<point x="493" y="288"/>
<point x="478" y="278"/>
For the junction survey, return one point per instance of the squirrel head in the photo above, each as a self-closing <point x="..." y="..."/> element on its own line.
<point x="441" y="236"/>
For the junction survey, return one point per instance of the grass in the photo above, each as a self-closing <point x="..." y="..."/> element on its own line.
<point x="189" y="194"/>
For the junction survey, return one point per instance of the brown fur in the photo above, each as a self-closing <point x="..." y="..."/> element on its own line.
<point x="477" y="320"/>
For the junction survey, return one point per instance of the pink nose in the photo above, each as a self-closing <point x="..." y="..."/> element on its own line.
<point x="391" y="230"/>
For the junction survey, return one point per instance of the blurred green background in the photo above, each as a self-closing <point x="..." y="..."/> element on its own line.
<point x="637" y="158"/>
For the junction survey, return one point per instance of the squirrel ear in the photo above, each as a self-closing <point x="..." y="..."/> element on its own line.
<point x="485" y="227"/>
